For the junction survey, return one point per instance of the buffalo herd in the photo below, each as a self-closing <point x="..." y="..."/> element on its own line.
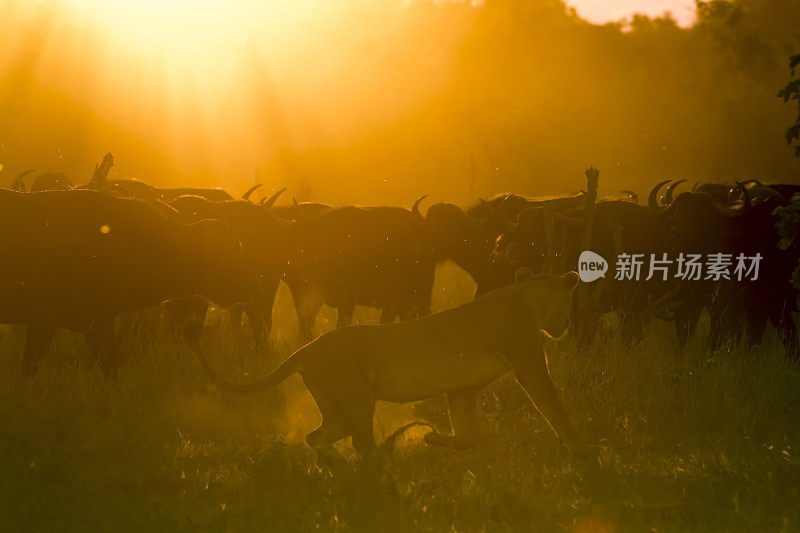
<point x="78" y="256"/>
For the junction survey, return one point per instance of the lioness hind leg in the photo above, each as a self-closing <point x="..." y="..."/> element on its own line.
<point x="363" y="439"/>
<point x="346" y="409"/>
<point x="357" y="405"/>
<point x="323" y="438"/>
<point x="463" y="407"/>
<point x="333" y="426"/>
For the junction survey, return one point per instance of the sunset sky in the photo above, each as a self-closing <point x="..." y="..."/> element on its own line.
<point x="604" y="10"/>
<point x="209" y="91"/>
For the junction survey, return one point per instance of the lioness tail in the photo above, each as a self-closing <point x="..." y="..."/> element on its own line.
<point x="289" y="367"/>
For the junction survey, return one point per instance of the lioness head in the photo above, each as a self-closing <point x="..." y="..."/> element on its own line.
<point x="551" y="296"/>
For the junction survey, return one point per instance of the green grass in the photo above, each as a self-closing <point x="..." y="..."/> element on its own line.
<point x="691" y="443"/>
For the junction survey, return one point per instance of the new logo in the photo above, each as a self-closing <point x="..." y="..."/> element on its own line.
<point x="591" y="266"/>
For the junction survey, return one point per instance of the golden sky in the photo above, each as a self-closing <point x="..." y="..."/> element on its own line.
<point x="604" y="10"/>
<point x="211" y="91"/>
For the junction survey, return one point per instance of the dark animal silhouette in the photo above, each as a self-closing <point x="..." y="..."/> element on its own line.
<point x="76" y="259"/>
<point x="298" y="210"/>
<point x="348" y="256"/>
<point x="741" y="308"/>
<point x="454" y="234"/>
<point x="265" y="244"/>
<point x="456" y="352"/>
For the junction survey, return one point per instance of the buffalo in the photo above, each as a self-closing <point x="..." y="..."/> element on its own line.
<point x="465" y="237"/>
<point x="265" y="243"/>
<point x="741" y="308"/>
<point x="348" y="256"/>
<point x="76" y="259"/>
<point x="140" y="190"/>
<point x="298" y="210"/>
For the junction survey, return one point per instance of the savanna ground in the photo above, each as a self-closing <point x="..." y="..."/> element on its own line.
<point x="702" y="442"/>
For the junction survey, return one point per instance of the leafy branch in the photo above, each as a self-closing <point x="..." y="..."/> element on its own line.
<point x="792" y="92"/>
<point x="788" y="225"/>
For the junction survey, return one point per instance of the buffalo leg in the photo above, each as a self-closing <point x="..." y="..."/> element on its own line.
<point x="307" y="306"/>
<point x="37" y="341"/>
<point x="755" y="331"/>
<point x="585" y="315"/>
<point x="344" y="314"/>
<point x="482" y="287"/>
<point x="235" y="318"/>
<point x="387" y="314"/>
<point x="686" y="318"/>
<point x="259" y="313"/>
<point x="788" y="331"/>
<point x="631" y="326"/>
<point x="255" y="316"/>
<point x="407" y="306"/>
<point x="756" y="323"/>
<point x="180" y="310"/>
<point x="727" y="316"/>
<point x="423" y="295"/>
<point x="103" y="344"/>
<point x="306" y="320"/>
<point x="268" y="293"/>
<point x="716" y="332"/>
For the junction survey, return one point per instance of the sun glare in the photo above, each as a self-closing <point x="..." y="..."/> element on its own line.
<point x="204" y="82"/>
<point x="189" y="32"/>
<point x="209" y="90"/>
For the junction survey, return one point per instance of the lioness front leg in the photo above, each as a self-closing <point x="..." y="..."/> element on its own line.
<point x="463" y="407"/>
<point x="532" y="374"/>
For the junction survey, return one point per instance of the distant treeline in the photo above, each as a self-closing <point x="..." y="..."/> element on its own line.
<point x="454" y="99"/>
<point x="540" y="94"/>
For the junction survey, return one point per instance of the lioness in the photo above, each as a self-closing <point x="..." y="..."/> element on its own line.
<point x="456" y="352"/>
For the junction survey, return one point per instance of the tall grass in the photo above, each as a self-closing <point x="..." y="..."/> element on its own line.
<point x="693" y="441"/>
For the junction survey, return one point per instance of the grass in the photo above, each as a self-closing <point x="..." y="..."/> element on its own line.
<point x="699" y="442"/>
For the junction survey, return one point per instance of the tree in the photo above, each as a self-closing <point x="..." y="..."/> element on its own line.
<point x="792" y="92"/>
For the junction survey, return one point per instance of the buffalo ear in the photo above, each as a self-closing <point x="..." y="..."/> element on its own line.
<point x="523" y="274"/>
<point x="571" y="279"/>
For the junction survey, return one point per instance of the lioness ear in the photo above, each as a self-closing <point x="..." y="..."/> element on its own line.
<point x="570" y="279"/>
<point x="523" y="274"/>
